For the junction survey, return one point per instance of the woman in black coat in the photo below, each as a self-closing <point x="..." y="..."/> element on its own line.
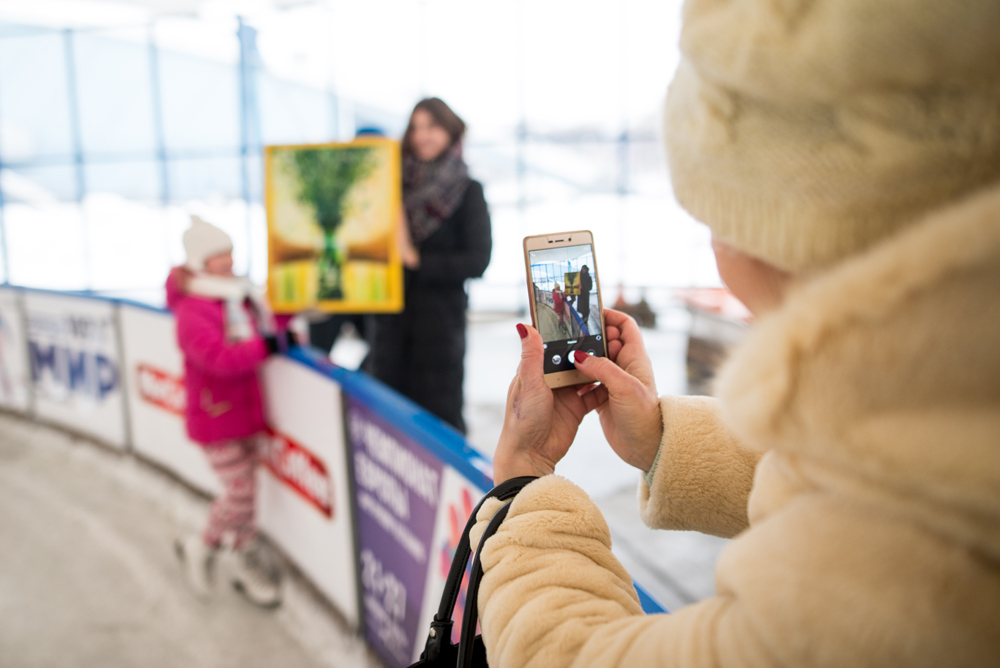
<point x="445" y="239"/>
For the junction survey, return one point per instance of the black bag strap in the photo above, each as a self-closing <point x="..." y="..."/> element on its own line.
<point x="471" y="615"/>
<point x="440" y="632"/>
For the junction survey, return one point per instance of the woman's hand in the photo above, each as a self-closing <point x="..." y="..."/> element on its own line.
<point x="627" y="401"/>
<point x="540" y="424"/>
<point x="408" y="253"/>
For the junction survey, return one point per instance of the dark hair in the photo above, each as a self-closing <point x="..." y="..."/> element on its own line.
<point x="442" y="115"/>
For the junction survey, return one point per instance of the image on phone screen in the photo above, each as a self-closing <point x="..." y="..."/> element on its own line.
<point x="568" y="313"/>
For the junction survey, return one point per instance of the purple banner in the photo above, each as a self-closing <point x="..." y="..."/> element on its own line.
<point x="398" y="491"/>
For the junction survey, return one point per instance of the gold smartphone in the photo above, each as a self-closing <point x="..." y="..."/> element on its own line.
<point x="565" y="297"/>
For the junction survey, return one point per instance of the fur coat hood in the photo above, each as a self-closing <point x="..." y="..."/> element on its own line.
<point x="881" y="379"/>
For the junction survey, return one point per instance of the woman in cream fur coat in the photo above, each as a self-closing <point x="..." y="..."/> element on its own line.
<point x="846" y="156"/>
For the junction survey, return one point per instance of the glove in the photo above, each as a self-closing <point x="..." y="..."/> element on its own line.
<point x="280" y="342"/>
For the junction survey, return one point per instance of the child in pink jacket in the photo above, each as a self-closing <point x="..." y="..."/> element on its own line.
<point x="225" y="332"/>
<point x="559" y="304"/>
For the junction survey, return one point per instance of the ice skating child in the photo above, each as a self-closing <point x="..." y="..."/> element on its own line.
<point x="225" y="332"/>
<point x="559" y="305"/>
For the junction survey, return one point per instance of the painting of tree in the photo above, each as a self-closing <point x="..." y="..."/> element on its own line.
<point x="332" y="217"/>
<point x="325" y="178"/>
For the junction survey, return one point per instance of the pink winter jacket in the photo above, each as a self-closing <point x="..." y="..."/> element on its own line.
<point x="220" y="377"/>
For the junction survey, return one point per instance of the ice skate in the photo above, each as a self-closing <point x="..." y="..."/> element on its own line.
<point x="255" y="576"/>
<point x="197" y="560"/>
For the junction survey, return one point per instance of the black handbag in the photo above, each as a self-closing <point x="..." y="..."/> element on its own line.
<point x="470" y="652"/>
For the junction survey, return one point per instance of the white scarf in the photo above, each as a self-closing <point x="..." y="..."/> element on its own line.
<point x="234" y="291"/>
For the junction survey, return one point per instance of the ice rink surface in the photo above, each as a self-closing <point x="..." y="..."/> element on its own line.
<point x="88" y="576"/>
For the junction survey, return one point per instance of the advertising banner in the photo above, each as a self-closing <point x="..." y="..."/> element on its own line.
<point x="398" y="499"/>
<point x="15" y="376"/>
<point x="458" y="498"/>
<point x="156" y="396"/>
<point x="73" y="355"/>
<point x="301" y="471"/>
<point x="303" y="483"/>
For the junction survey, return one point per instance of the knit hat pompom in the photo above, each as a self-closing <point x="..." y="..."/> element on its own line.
<point x="203" y="240"/>
<point x="804" y="131"/>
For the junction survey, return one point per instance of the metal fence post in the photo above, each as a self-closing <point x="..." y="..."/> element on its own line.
<point x="157" y="95"/>
<point x="249" y="118"/>
<point x="76" y="133"/>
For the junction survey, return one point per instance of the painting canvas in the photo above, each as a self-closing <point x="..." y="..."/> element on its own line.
<point x="332" y="212"/>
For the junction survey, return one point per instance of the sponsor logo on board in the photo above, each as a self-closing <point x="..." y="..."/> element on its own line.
<point x="161" y="389"/>
<point x="301" y="470"/>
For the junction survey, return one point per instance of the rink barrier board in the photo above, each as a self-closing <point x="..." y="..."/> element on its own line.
<point x="156" y="397"/>
<point x="15" y="373"/>
<point x="73" y="348"/>
<point x="402" y="576"/>
<point x="392" y="610"/>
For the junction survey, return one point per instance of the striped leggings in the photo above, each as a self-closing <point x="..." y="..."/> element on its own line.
<point x="235" y="463"/>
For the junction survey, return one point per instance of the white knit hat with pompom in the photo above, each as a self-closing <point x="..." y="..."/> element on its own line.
<point x="203" y="240"/>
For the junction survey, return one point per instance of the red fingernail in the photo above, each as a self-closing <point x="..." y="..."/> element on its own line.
<point x="579" y="356"/>
<point x="522" y="330"/>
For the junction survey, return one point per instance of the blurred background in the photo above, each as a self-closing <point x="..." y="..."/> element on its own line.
<point x="118" y="119"/>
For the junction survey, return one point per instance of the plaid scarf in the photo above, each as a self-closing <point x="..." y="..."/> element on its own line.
<point x="433" y="190"/>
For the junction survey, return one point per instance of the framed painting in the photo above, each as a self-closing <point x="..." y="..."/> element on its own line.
<point x="332" y="214"/>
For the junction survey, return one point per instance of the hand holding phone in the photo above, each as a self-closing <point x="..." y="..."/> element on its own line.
<point x="626" y="399"/>
<point x="540" y="423"/>
<point x="565" y="297"/>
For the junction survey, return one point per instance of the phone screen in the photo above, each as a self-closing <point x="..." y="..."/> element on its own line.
<point x="566" y="306"/>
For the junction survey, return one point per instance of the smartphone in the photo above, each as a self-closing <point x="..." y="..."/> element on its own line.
<point x="565" y="297"/>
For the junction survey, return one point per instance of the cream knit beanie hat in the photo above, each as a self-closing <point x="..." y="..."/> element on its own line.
<point x="803" y="131"/>
<point x="203" y="240"/>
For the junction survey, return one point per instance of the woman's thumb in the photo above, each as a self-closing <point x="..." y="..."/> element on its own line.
<point x="603" y="370"/>
<point x="532" y="353"/>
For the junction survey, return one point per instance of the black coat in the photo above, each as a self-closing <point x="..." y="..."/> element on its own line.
<point x="421" y="351"/>
<point x="583" y="304"/>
